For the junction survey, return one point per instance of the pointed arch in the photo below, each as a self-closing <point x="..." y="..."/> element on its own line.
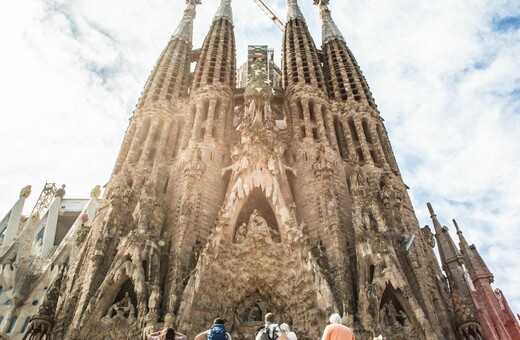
<point x="126" y="289"/>
<point x="258" y="201"/>
<point x="394" y="308"/>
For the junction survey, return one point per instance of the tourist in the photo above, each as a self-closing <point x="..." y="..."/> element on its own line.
<point x="268" y="331"/>
<point x="216" y="332"/>
<point x="337" y="331"/>
<point x="166" y="334"/>
<point x="285" y="332"/>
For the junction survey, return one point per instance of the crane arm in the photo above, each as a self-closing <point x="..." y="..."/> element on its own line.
<point x="270" y="13"/>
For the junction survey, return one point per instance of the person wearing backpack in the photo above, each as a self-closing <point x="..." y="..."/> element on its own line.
<point x="269" y="330"/>
<point x="216" y="332"/>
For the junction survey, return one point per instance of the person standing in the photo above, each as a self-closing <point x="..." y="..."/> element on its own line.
<point x="286" y="330"/>
<point x="216" y="332"/>
<point x="166" y="334"/>
<point x="269" y="330"/>
<point x="337" y="331"/>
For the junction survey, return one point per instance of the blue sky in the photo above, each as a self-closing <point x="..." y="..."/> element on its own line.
<point x="445" y="76"/>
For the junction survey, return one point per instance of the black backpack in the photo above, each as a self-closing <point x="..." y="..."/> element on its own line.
<point x="217" y="332"/>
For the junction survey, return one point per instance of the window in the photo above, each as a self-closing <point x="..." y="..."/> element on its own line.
<point x="11" y="326"/>
<point x="40" y="234"/>
<point x="26" y="323"/>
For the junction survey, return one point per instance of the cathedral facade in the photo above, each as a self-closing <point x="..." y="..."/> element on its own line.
<point x="282" y="196"/>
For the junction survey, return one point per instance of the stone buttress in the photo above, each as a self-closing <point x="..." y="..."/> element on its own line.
<point x="118" y="267"/>
<point x="196" y="198"/>
<point x="319" y="187"/>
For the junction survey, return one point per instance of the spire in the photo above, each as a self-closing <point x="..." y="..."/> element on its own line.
<point x="224" y="11"/>
<point x="447" y="248"/>
<point x="464" y="308"/>
<point x="472" y="259"/>
<point x="216" y="67"/>
<point x="345" y="80"/>
<point x="217" y="59"/>
<point x="170" y="77"/>
<point x="185" y="29"/>
<point x="301" y="64"/>
<point x="496" y="318"/>
<point x="329" y="30"/>
<point x="293" y="11"/>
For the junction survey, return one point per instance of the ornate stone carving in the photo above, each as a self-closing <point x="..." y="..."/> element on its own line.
<point x="122" y="309"/>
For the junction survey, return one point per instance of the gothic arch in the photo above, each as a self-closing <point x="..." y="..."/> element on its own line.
<point x="259" y="202"/>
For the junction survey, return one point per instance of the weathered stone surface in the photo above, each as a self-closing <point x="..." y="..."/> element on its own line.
<point x="214" y="211"/>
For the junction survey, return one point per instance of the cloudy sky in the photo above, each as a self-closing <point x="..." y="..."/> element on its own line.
<point x="445" y="75"/>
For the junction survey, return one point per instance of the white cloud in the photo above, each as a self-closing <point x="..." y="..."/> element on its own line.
<point x="443" y="77"/>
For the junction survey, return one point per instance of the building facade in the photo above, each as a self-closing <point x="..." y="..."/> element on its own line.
<point x="281" y="197"/>
<point x="35" y="250"/>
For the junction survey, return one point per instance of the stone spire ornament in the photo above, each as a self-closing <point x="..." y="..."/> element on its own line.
<point x="328" y="26"/>
<point x="224" y="11"/>
<point x="185" y="29"/>
<point x="293" y="11"/>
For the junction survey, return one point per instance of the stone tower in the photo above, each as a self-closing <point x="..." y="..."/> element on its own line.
<point x="235" y="202"/>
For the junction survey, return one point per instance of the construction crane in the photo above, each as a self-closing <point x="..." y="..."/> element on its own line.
<point x="270" y="13"/>
<point x="45" y="199"/>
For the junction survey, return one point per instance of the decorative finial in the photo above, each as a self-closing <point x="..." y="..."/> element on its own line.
<point x="60" y="192"/>
<point x="95" y="192"/>
<point x="185" y="29"/>
<point x="430" y="208"/>
<point x="35" y="217"/>
<point x="224" y="11"/>
<point x="457" y="227"/>
<point x="329" y="28"/>
<point x="293" y="11"/>
<point x="26" y="191"/>
<point x="321" y="2"/>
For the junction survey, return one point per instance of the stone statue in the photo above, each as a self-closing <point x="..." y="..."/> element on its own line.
<point x="390" y="309"/>
<point x="255" y="314"/>
<point x="366" y="219"/>
<point x="241" y="233"/>
<point x="429" y="235"/>
<point x="258" y="227"/>
<point x="123" y="308"/>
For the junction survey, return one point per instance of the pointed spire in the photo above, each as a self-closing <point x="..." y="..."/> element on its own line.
<point x="329" y="30"/>
<point x="463" y="242"/>
<point x="224" y="11"/>
<point x="448" y="251"/>
<point x="185" y="29"/>
<point x="293" y="11"/>
<point x="474" y="262"/>
<point x="436" y="223"/>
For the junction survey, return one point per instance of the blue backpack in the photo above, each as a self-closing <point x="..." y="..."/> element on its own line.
<point x="217" y="332"/>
